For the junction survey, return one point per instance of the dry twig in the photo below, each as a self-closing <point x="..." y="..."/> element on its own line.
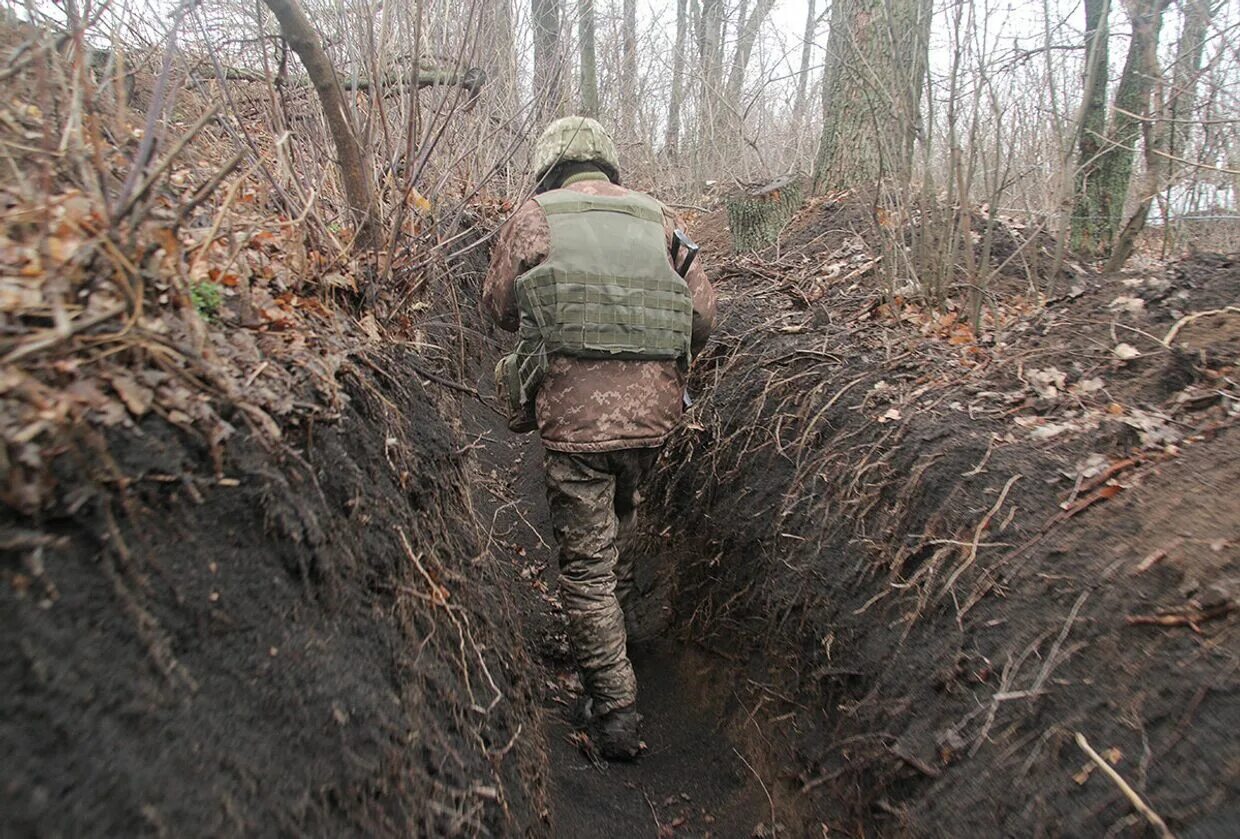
<point x="1144" y="809"/>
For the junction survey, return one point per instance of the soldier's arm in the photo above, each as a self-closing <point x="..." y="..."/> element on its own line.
<point x="523" y="242"/>
<point x="699" y="287"/>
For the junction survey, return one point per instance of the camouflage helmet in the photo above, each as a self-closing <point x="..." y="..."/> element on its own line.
<point x="575" y="139"/>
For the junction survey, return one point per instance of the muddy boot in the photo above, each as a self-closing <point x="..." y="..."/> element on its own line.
<point x="615" y="734"/>
<point x="583" y="712"/>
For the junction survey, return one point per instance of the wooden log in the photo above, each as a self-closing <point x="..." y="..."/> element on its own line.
<point x="756" y="216"/>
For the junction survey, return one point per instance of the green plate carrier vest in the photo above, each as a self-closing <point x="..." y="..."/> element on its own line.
<point x="606" y="290"/>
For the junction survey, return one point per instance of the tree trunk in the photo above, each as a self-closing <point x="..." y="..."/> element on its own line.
<point x="757" y="216"/>
<point x="672" y="144"/>
<point x="1187" y="70"/>
<point x="746" y="36"/>
<point x="548" y="82"/>
<point x="709" y="22"/>
<point x="876" y="67"/>
<point x="1113" y="174"/>
<point x="1172" y="127"/>
<point x="1087" y="227"/>
<point x="798" y="109"/>
<point x="628" y="84"/>
<point x="589" y="70"/>
<point x="354" y="170"/>
<point x="501" y="60"/>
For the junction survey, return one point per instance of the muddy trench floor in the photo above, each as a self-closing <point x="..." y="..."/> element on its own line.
<point x="694" y="777"/>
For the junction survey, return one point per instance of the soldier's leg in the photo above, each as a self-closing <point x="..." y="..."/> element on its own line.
<point x="631" y="468"/>
<point x="581" y="495"/>
<point x="626" y="584"/>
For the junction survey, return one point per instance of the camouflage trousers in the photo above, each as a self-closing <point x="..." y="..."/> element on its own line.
<point x="593" y="499"/>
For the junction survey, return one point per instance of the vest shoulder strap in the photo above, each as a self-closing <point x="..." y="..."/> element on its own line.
<point x="560" y="201"/>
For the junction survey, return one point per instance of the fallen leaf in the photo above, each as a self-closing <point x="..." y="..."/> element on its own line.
<point x="137" y="398"/>
<point x="1047" y="383"/>
<point x="370" y="327"/>
<point x="1132" y="305"/>
<point x="337" y="280"/>
<point x="1108" y="491"/>
<point x="1088" y="385"/>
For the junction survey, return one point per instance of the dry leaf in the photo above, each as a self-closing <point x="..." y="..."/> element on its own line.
<point x="370" y="326"/>
<point x="1132" y="305"/>
<point x="137" y="398"/>
<point x="1047" y="383"/>
<point x="337" y="280"/>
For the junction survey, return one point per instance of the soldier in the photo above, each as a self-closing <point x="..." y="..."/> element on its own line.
<point x="607" y="326"/>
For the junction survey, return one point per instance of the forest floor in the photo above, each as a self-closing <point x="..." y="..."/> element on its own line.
<point x="268" y="565"/>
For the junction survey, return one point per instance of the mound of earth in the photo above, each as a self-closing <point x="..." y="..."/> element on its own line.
<point x="943" y="554"/>
<point x="255" y="640"/>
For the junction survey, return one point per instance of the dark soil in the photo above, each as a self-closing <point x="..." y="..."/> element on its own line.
<point x="253" y="650"/>
<point x="943" y="559"/>
<point x="693" y="779"/>
<point x="893" y="565"/>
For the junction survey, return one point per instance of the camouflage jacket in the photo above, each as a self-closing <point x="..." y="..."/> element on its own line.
<point x="591" y="405"/>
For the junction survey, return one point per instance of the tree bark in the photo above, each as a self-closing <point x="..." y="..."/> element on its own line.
<point x="1174" y="126"/>
<point x="876" y="59"/>
<point x="798" y="109"/>
<point x="589" y="67"/>
<point x="1086" y="217"/>
<point x="354" y="170"/>
<point x="1106" y="187"/>
<point x="672" y="143"/>
<point x="628" y="84"/>
<point x="757" y="216"/>
<point x="548" y="80"/>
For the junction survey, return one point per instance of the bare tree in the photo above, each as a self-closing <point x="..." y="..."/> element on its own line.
<point x="672" y="143"/>
<point x="807" y="49"/>
<point x="589" y="68"/>
<point x="709" y="35"/>
<point x="355" y="171"/>
<point x="1185" y="74"/>
<point x="1107" y="186"/>
<point x="1092" y="137"/>
<point x="877" y="54"/>
<point x="548" y="76"/>
<point x="748" y="34"/>
<point x="1169" y="126"/>
<point x="629" y="80"/>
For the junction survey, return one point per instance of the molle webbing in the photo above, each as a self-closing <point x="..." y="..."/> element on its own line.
<point x="606" y="289"/>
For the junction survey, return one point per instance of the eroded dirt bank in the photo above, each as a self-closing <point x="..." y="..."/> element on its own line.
<point x="240" y="639"/>
<point x="945" y="555"/>
<point x="893" y="567"/>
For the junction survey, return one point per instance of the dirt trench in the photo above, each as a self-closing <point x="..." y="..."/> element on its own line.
<point x="944" y="573"/>
<point x="697" y="776"/>
<point x="889" y="575"/>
